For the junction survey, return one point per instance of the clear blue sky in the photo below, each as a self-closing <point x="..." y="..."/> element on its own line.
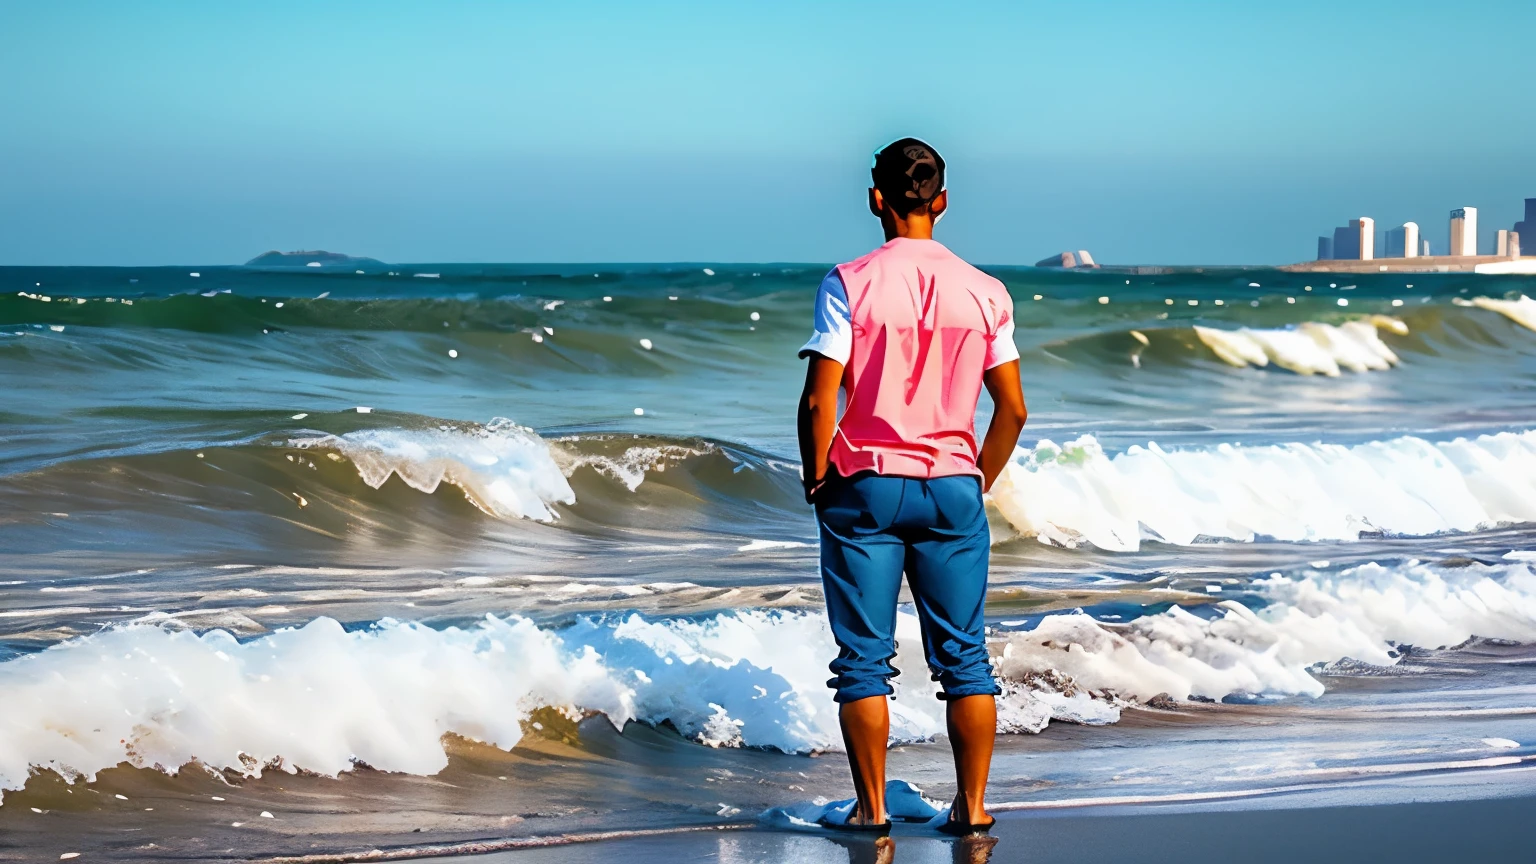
<point x="1201" y="132"/>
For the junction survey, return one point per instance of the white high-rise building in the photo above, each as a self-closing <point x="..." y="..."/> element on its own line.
<point x="1501" y="243"/>
<point x="1403" y="242"/>
<point x="1464" y="231"/>
<point x="1353" y="242"/>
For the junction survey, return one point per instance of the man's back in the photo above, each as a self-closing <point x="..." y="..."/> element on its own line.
<point x="925" y="326"/>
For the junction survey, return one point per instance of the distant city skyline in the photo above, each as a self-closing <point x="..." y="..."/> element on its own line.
<point x="1465" y="236"/>
<point x="172" y="133"/>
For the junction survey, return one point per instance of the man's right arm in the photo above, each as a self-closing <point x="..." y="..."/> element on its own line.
<point x="828" y="350"/>
<point x="816" y="420"/>
<point x="1002" y="380"/>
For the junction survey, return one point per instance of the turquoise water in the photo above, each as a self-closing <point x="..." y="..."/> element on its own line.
<point x="265" y="496"/>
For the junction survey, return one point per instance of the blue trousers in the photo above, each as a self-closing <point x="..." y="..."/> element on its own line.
<point x="875" y="527"/>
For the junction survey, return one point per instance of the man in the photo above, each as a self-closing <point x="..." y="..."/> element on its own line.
<point x="909" y="333"/>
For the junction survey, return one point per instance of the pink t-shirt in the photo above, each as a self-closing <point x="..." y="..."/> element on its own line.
<point x="914" y="327"/>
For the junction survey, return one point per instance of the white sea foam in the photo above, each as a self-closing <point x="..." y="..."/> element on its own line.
<point x="1066" y="495"/>
<point x="1522" y="311"/>
<point x="1310" y="348"/>
<point x="504" y="469"/>
<point x="629" y="467"/>
<point x="315" y="697"/>
<point x="1318" y="617"/>
<point x="320" y="698"/>
<point x="766" y="545"/>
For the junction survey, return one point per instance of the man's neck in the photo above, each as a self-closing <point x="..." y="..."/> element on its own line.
<point x="914" y="227"/>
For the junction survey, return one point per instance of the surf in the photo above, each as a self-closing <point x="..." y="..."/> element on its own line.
<point x="324" y="698"/>
<point x="1078" y="493"/>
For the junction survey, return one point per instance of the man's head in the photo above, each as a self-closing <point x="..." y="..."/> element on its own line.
<point x="908" y="178"/>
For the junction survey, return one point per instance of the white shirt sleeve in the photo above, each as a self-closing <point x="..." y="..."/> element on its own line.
<point x="832" y="335"/>
<point x="1000" y="347"/>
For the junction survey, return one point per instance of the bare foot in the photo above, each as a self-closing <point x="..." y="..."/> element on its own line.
<point x="977" y="815"/>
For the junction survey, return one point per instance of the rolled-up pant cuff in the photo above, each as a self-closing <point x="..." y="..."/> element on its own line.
<point x="980" y="688"/>
<point x="970" y="675"/>
<point x="853" y="689"/>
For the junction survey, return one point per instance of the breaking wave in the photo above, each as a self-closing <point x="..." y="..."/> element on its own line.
<point x="1325" y="343"/>
<point x="1361" y="614"/>
<point x="1521" y="311"/>
<point x="504" y="469"/>
<point x="1063" y="495"/>
<point x="1309" y="348"/>
<point x="509" y="472"/>
<point x="407" y="476"/>
<point x="322" y="698"/>
<point x="1077" y="493"/>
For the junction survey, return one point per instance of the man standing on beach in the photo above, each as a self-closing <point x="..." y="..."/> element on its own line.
<point x="909" y="333"/>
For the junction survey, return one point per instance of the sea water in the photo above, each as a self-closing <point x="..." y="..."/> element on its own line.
<point x="518" y="550"/>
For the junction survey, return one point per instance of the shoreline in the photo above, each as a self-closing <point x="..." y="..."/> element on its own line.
<point x="1405" y="833"/>
<point x="1485" y="264"/>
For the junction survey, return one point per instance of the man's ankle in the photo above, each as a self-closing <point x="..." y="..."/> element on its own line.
<point x="869" y="815"/>
<point x="962" y="806"/>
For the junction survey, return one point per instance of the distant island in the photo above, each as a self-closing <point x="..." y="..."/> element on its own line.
<point x="313" y="260"/>
<point x="1070" y="260"/>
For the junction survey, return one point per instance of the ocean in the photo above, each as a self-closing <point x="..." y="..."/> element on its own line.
<point x="312" y="563"/>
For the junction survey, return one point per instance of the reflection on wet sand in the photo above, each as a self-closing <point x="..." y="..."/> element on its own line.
<point x="975" y="849"/>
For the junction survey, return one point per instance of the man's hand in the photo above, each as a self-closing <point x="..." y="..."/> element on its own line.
<point x="811" y="488"/>
<point x="816" y="421"/>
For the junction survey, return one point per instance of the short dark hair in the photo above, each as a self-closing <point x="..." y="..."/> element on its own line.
<point x="909" y="174"/>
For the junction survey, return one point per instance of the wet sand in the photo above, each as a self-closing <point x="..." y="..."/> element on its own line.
<point x="587" y="792"/>
<point x="1489" y="830"/>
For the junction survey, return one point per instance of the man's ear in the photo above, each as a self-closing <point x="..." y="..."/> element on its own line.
<point x="938" y="205"/>
<point x="876" y="202"/>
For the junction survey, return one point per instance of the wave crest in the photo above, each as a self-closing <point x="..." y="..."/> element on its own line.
<point x="1360" y="613"/>
<point x="321" y="697"/>
<point x="504" y="469"/>
<point x="1067" y="495"/>
<point x="1311" y="348"/>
